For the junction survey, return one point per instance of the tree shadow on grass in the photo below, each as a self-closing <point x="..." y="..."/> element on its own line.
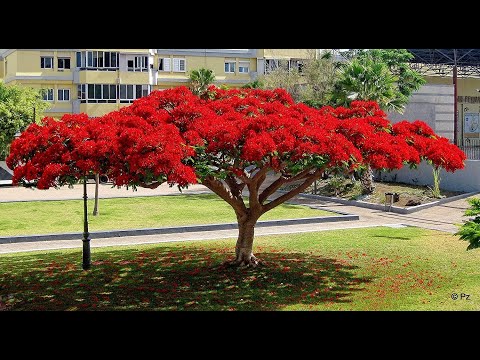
<point x="175" y="278"/>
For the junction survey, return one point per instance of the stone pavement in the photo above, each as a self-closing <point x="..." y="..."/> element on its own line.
<point x="441" y="217"/>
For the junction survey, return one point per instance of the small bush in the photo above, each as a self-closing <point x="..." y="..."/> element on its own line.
<point x="470" y="230"/>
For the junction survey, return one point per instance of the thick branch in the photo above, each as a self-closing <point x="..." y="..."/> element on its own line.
<point x="260" y="173"/>
<point x="253" y="187"/>
<point x="281" y="199"/>
<point x="253" y="196"/>
<point x="300" y="175"/>
<point x="274" y="186"/>
<point x="260" y="181"/>
<point x="219" y="188"/>
<point x="235" y="188"/>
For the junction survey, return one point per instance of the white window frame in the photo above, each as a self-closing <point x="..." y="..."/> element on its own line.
<point x="84" y="63"/>
<point x="126" y="98"/>
<point x="145" y="90"/>
<point x="177" y="64"/>
<point x="85" y="96"/>
<point x="44" y="58"/>
<point x="166" y="64"/>
<point x="230" y="63"/>
<point x="46" y="93"/>
<point x="63" y="92"/>
<point x="242" y="65"/>
<point x="63" y="66"/>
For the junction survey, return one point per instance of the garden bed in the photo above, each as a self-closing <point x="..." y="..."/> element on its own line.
<point x="410" y="197"/>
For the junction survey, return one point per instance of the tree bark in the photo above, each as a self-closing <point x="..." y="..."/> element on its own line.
<point x="366" y="179"/>
<point x="97" y="183"/>
<point x="243" y="249"/>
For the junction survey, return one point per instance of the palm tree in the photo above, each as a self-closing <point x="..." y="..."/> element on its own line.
<point x="200" y="80"/>
<point x="364" y="78"/>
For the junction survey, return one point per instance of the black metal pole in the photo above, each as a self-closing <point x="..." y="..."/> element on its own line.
<point x="86" y="239"/>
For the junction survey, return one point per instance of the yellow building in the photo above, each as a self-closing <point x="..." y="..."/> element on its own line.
<point x="97" y="81"/>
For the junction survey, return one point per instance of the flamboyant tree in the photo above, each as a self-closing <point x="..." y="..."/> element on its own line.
<point x="436" y="150"/>
<point x="367" y="126"/>
<point x="243" y="144"/>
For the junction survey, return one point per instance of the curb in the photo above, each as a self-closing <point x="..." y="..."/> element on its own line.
<point x="172" y="230"/>
<point x="394" y="209"/>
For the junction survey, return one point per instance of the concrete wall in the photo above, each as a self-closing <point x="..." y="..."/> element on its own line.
<point x="434" y="104"/>
<point x="467" y="180"/>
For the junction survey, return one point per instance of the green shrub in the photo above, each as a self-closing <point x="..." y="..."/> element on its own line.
<point x="470" y="230"/>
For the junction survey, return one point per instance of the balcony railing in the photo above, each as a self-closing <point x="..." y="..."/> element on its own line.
<point x="472" y="151"/>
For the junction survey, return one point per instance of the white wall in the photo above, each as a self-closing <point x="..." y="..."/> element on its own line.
<point x="467" y="180"/>
<point x="433" y="104"/>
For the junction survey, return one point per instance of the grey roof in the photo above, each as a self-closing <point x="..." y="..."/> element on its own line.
<point x="442" y="61"/>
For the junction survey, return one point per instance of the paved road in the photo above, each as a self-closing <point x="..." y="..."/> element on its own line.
<point x="441" y="217"/>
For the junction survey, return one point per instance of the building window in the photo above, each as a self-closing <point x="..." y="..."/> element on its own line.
<point x="46" y="62"/>
<point x="47" y="94"/>
<point x="285" y="64"/>
<point x="128" y="93"/>
<point x="63" y="63"/>
<point x="97" y="60"/>
<point x="63" y="95"/>
<point x="97" y="93"/>
<point x="137" y="63"/>
<point x="165" y="64"/>
<point x="243" y="67"/>
<point x="178" y="65"/>
<point x="81" y="92"/>
<point x="230" y="67"/>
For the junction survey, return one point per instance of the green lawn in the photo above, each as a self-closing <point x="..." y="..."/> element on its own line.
<point x="351" y="269"/>
<point x="47" y="217"/>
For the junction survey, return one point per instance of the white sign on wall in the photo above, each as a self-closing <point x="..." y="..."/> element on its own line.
<point x="472" y="122"/>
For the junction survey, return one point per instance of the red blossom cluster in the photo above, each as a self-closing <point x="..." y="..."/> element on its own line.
<point x="176" y="137"/>
<point x="387" y="146"/>
<point x="429" y="146"/>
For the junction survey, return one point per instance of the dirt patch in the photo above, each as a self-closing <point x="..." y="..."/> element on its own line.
<point x="408" y="195"/>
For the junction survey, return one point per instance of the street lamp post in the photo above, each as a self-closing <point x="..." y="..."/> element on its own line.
<point x="86" y="235"/>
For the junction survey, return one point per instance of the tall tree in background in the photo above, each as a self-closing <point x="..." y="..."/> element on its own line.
<point x="312" y="82"/>
<point x="282" y="78"/>
<point x="200" y="80"/>
<point x="17" y="107"/>
<point x="320" y="76"/>
<point x="381" y="75"/>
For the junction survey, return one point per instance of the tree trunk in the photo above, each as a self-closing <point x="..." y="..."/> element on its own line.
<point x="97" y="183"/>
<point x="366" y="179"/>
<point x="243" y="249"/>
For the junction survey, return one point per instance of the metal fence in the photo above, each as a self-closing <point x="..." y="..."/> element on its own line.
<point x="472" y="151"/>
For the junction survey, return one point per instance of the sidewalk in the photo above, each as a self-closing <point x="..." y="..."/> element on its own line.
<point x="441" y="217"/>
<point x="10" y="193"/>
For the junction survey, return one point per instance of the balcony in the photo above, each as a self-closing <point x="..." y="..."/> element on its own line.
<point x="134" y="77"/>
<point x="95" y="76"/>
